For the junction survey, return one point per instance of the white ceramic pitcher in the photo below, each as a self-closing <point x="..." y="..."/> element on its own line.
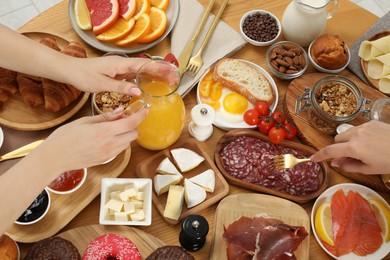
<point x="304" y="20"/>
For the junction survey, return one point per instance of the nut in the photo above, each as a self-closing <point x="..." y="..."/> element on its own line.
<point x="287" y="58"/>
<point x="108" y="101"/>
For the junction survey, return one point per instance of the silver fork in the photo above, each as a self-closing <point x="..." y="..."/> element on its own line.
<point x="196" y="61"/>
<point x="287" y="161"/>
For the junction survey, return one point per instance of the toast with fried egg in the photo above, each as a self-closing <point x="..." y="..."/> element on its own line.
<point x="243" y="79"/>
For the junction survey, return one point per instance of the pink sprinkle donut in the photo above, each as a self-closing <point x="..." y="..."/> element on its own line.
<point x="111" y="246"/>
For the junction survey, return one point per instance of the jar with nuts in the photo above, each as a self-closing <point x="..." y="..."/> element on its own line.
<point x="332" y="101"/>
<point x="286" y="60"/>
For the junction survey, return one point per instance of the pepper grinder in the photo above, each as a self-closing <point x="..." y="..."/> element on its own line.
<point x="193" y="233"/>
<point x="201" y="126"/>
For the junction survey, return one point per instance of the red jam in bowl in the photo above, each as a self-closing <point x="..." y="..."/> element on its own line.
<point x="67" y="180"/>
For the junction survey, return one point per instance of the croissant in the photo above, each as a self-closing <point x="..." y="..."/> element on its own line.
<point x="59" y="95"/>
<point x="30" y="89"/>
<point x="8" y="84"/>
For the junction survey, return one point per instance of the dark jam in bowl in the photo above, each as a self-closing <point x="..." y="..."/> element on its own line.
<point x="67" y="180"/>
<point x="36" y="209"/>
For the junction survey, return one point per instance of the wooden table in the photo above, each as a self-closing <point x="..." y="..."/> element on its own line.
<point x="348" y="22"/>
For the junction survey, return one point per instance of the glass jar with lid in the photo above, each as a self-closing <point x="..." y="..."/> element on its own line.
<point x="332" y="101"/>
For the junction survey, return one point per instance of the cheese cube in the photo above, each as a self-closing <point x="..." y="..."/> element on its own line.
<point x="115" y="195"/>
<point x="123" y="196"/>
<point x="129" y="207"/>
<point x="121" y="216"/>
<point x="131" y="190"/>
<point x="115" y="205"/>
<point x="111" y="212"/>
<point x="140" y="195"/>
<point x="139" y="204"/>
<point x="175" y="200"/>
<point x="138" y="215"/>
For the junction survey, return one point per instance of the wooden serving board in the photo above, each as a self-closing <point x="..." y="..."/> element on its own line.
<point x="147" y="169"/>
<point x="82" y="236"/>
<point x="314" y="137"/>
<point x="234" y="206"/>
<point x="64" y="208"/>
<point x="17" y="115"/>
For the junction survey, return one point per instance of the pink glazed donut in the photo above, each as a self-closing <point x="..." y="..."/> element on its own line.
<point x="111" y="246"/>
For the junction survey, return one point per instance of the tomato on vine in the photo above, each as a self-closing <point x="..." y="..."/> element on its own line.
<point x="251" y="117"/>
<point x="276" y="134"/>
<point x="262" y="108"/>
<point x="290" y="131"/>
<point x="265" y="124"/>
<point x="279" y="116"/>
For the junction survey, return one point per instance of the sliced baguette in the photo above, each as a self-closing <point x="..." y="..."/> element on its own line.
<point x="243" y="79"/>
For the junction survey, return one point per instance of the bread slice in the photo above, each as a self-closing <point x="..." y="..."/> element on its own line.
<point x="243" y="79"/>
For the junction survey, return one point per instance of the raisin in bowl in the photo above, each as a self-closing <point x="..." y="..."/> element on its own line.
<point x="260" y="27"/>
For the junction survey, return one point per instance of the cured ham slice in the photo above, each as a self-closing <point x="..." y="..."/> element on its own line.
<point x="354" y="225"/>
<point x="262" y="238"/>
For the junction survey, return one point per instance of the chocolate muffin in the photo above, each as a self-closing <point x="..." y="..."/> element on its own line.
<point x="53" y="248"/>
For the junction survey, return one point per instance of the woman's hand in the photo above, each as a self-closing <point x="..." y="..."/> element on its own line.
<point x="364" y="148"/>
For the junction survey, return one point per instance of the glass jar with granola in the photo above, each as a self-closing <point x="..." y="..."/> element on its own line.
<point x="332" y="101"/>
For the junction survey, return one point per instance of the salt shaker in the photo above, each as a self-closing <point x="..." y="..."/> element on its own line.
<point x="201" y="127"/>
<point x="193" y="233"/>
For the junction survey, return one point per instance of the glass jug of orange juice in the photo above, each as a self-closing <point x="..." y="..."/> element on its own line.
<point x="158" y="81"/>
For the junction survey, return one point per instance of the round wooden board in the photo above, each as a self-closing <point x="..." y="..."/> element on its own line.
<point x="17" y="115"/>
<point x="234" y="206"/>
<point x="82" y="236"/>
<point x="317" y="139"/>
<point x="64" y="208"/>
<point x="364" y="64"/>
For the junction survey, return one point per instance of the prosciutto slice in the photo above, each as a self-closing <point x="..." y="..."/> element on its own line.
<point x="262" y="238"/>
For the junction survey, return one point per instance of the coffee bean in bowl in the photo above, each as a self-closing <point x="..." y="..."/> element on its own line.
<point x="260" y="27"/>
<point x="286" y="60"/>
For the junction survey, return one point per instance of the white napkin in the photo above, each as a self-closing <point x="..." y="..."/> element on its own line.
<point x="224" y="42"/>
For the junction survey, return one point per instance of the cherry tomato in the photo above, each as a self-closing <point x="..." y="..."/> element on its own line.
<point x="279" y="116"/>
<point x="290" y="131"/>
<point x="251" y="117"/>
<point x="276" y="135"/>
<point x="263" y="108"/>
<point x="265" y="124"/>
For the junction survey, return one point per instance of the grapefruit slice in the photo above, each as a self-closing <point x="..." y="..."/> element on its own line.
<point x="140" y="29"/>
<point x="83" y="18"/>
<point x="127" y="8"/>
<point x="119" y="30"/>
<point x="159" y="21"/>
<point x="104" y="14"/>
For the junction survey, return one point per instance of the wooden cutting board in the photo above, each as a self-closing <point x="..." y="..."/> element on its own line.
<point x="63" y="208"/>
<point x="314" y="137"/>
<point x="234" y="206"/>
<point x="82" y="236"/>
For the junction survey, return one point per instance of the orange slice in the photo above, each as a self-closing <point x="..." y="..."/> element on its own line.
<point x="104" y="14"/>
<point x="159" y="21"/>
<point x="142" y="7"/>
<point x="127" y="8"/>
<point x="140" y="29"/>
<point x="162" y="4"/>
<point x="120" y="29"/>
<point x="83" y="18"/>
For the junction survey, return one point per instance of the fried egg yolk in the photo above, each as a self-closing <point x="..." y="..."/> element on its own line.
<point x="235" y="103"/>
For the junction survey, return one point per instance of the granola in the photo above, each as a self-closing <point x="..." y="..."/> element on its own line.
<point x="108" y="101"/>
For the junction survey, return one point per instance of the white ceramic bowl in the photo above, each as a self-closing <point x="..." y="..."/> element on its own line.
<point x="366" y="193"/>
<point x="254" y="42"/>
<point x="42" y="215"/>
<point x="114" y="184"/>
<point x="224" y="124"/>
<point x="72" y="190"/>
<point x="319" y="68"/>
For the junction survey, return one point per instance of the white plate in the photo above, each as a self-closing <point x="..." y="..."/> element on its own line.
<point x="88" y="36"/>
<point x="222" y="123"/>
<point x="111" y="184"/>
<point x="366" y="193"/>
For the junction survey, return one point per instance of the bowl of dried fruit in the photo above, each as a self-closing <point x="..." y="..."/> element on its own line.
<point x="260" y="27"/>
<point x="286" y="60"/>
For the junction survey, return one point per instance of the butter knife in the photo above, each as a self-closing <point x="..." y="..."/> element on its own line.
<point x="20" y="152"/>
<point x="186" y="53"/>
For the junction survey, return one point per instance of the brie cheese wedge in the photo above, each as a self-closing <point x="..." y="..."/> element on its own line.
<point x="161" y="182"/>
<point x="186" y="159"/>
<point x="205" y="179"/>
<point x="175" y="200"/>
<point x="194" y="194"/>
<point x="167" y="167"/>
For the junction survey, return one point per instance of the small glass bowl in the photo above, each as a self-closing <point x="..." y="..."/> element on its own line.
<point x="68" y="176"/>
<point x="40" y="204"/>
<point x="272" y="63"/>
<point x="322" y="69"/>
<point x="254" y="42"/>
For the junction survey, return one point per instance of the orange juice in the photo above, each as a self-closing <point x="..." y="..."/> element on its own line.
<point x="165" y="121"/>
